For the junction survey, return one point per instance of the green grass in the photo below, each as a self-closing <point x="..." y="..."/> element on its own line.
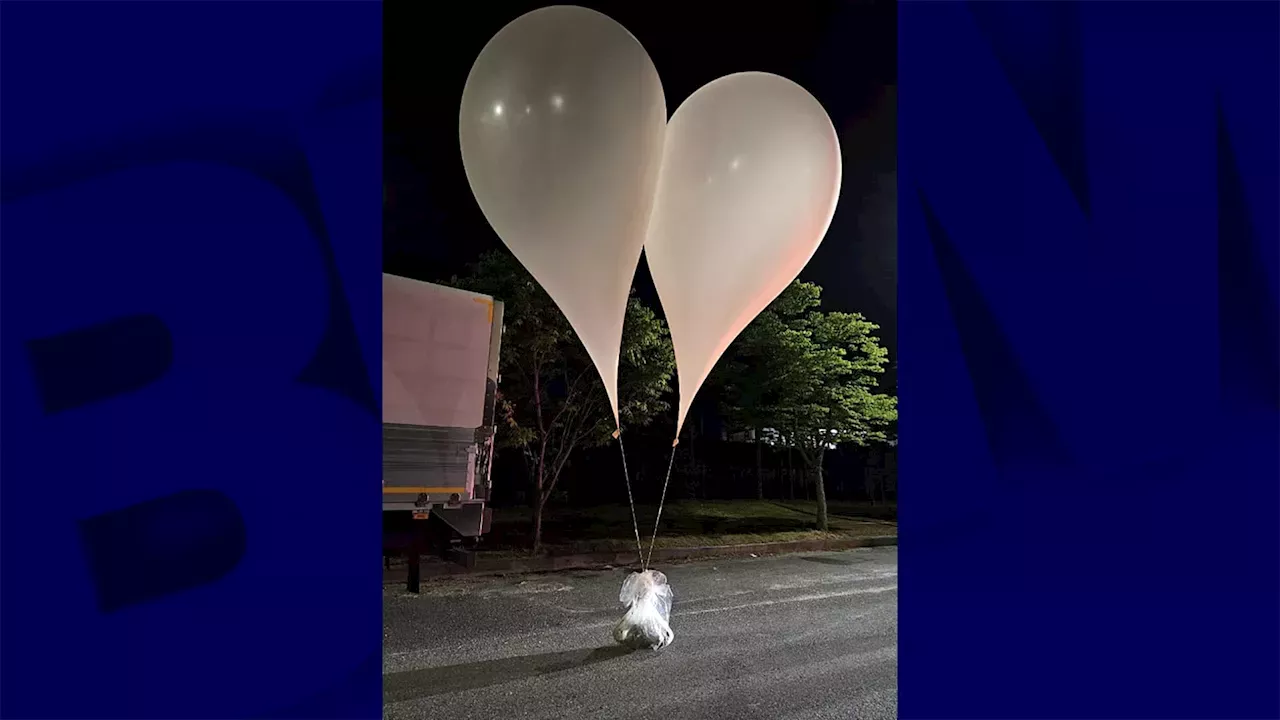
<point x="684" y="524"/>
<point x="861" y="510"/>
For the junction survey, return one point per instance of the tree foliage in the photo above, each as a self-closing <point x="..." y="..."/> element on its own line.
<point x="551" y="400"/>
<point x="811" y="376"/>
<point x="757" y="373"/>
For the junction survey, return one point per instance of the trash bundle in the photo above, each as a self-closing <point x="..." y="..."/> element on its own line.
<point x="647" y="597"/>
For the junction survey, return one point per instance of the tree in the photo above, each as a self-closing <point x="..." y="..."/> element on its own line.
<point x="550" y="398"/>
<point x="756" y="372"/>
<point x="819" y="373"/>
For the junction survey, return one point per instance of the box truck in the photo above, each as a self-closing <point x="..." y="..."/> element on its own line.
<point x="440" y="349"/>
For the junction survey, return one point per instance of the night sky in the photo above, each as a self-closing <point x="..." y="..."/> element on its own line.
<point x="844" y="53"/>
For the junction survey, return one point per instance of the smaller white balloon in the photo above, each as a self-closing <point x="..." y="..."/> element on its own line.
<point x="749" y="182"/>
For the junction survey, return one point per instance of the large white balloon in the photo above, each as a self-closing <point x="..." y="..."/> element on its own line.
<point x="749" y="183"/>
<point x="561" y="129"/>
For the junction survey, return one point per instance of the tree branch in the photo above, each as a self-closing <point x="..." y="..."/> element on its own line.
<point x="537" y="395"/>
<point x="569" y="437"/>
<point x="569" y="393"/>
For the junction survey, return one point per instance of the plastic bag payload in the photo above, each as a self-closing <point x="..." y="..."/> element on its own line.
<point x="647" y="623"/>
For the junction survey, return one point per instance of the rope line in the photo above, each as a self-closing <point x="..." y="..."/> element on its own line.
<point x="635" y="524"/>
<point x="662" y="501"/>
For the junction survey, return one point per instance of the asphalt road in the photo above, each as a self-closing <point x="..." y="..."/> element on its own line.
<point x="797" y="637"/>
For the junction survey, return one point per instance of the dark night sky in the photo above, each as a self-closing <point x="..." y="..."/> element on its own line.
<point x="844" y="53"/>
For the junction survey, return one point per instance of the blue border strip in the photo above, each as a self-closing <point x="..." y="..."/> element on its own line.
<point x="1088" y="343"/>
<point x="190" y="295"/>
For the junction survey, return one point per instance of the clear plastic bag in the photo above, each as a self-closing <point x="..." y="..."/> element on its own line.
<point x="647" y="624"/>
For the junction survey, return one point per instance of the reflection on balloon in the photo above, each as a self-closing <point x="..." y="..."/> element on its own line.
<point x="568" y="184"/>
<point x="749" y="184"/>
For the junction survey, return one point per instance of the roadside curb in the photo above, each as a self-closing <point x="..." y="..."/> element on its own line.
<point x="503" y="566"/>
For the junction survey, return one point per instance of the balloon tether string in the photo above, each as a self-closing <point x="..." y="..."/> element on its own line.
<point x="662" y="501"/>
<point x="626" y="476"/>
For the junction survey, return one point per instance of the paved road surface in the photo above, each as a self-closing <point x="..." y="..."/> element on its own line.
<point x="799" y="637"/>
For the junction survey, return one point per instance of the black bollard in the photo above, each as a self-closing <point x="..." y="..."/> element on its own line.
<point x="415" y="569"/>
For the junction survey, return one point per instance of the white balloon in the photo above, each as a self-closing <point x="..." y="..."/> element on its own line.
<point x="561" y="129"/>
<point x="749" y="184"/>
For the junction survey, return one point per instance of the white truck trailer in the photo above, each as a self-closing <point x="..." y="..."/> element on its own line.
<point x="440" y="349"/>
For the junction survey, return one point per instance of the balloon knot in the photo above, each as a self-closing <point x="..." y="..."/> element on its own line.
<point x="616" y="433"/>
<point x="675" y="442"/>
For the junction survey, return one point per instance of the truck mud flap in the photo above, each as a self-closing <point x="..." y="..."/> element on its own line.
<point x="466" y="520"/>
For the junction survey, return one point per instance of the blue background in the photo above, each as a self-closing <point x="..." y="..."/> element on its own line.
<point x="191" y="308"/>
<point x="1088" y="294"/>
